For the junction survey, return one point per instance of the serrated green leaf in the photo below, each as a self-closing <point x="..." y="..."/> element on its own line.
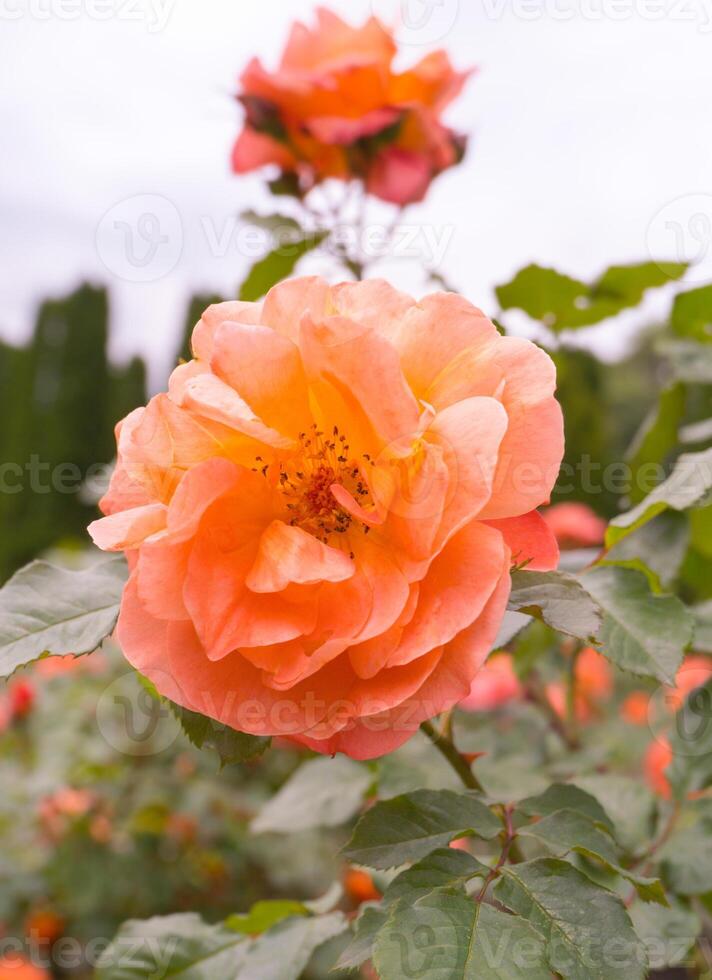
<point x="446" y="868"/>
<point x="629" y="804"/>
<point x="447" y="936"/>
<point x="567" y="831"/>
<point x="564" y="303"/>
<point x="371" y="919"/>
<point x="588" y="932"/>
<point x="232" y="747"/>
<point x="50" y="610"/>
<point x="560" y="796"/>
<point x="558" y="599"/>
<point x="408" y="827"/>
<point x="323" y="792"/>
<point x="277" y="265"/>
<point x="689" y="484"/>
<point x="644" y="633"/>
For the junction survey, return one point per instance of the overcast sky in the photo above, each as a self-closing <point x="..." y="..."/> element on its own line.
<point x="591" y="123"/>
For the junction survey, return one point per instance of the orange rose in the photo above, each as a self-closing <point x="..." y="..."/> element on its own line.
<point x="336" y="108"/>
<point x="321" y="514"/>
<point x="17" y="967"/>
<point x="359" y="886"/>
<point x="575" y="525"/>
<point x="657" y="758"/>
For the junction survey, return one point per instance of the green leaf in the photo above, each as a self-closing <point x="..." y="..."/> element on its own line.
<point x="283" y="952"/>
<point x="657" y="437"/>
<point x="692" y="314"/>
<point x="668" y="934"/>
<point x="445" y="868"/>
<point x="544" y="294"/>
<point x="50" y="610"/>
<point x="184" y="946"/>
<point x="279" y="264"/>
<point x="686" y="858"/>
<point x="447" y="936"/>
<point x="560" y="796"/>
<point x="688" y="486"/>
<point x="588" y="933"/>
<point x="272" y="222"/>
<point x="629" y="804"/>
<point x="568" y="830"/>
<point x="263" y="915"/>
<point x="173" y="945"/>
<point x="644" y="633"/>
<point x="562" y="303"/>
<point x="371" y="919"/>
<point x="657" y="549"/>
<point x="558" y="599"/>
<point x="233" y="747"/>
<point x="323" y="792"/>
<point x="691" y="744"/>
<point x="410" y="826"/>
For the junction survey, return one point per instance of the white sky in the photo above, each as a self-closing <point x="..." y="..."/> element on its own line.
<point x="591" y="122"/>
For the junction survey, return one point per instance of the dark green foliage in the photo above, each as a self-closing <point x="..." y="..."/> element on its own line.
<point x="59" y="398"/>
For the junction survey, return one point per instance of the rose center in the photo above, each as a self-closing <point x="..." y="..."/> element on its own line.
<point x="306" y="483"/>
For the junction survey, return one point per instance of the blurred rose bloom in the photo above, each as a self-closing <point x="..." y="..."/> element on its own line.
<point x="575" y="526"/>
<point x="321" y="514"/>
<point x="593" y="686"/>
<point x="495" y="684"/>
<point x="337" y="108"/>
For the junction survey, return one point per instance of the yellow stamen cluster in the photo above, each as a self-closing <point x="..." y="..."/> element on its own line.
<point x="306" y="483"/>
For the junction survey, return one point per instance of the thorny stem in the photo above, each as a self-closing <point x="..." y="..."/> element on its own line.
<point x="509" y="836"/>
<point x="446" y="747"/>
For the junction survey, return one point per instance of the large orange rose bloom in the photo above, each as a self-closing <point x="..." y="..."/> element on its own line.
<point x="335" y="107"/>
<point x="321" y="514"/>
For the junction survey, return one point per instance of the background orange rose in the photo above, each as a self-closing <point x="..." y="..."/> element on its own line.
<point x="336" y="107"/>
